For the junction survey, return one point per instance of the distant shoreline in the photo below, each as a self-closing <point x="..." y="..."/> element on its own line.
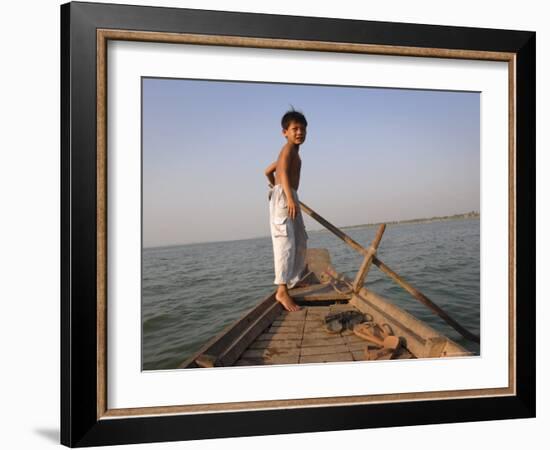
<point x="468" y="215"/>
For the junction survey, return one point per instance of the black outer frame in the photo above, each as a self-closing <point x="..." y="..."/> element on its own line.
<point x="79" y="423"/>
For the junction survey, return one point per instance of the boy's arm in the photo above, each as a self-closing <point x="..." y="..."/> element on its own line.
<point x="284" y="160"/>
<point x="269" y="172"/>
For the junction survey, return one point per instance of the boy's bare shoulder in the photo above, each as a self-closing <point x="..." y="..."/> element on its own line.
<point x="280" y="155"/>
<point x="287" y="150"/>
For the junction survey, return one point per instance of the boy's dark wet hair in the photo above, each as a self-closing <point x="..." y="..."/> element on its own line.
<point x="293" y="116"/>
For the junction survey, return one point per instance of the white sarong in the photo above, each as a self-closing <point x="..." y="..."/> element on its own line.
<point x="289" y="238"/>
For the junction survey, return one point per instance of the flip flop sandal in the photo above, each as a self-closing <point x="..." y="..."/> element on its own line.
<point x="335" y="323"/>
<point x="353" y="318"/>
<point x="386" y="329"/>
<point x="346" y="319"/>
<point x="334" y="326"/>
<point x="371" y="333"/>
<point x="390" y="340"/>
<point x="365" y="331"/>
<point x="335" y="316"/>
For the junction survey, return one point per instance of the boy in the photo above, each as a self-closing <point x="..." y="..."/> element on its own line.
<point x="288" y="232"/>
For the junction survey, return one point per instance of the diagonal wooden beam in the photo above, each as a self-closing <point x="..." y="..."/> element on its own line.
<point x="367" y="260"/>
<point x="348" y="240"/>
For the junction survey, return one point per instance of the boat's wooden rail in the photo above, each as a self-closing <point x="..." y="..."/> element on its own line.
<point x="371" y="258"/>
<point x="226" y="347"/>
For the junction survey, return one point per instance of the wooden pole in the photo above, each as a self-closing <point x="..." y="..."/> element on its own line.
<point x="425" y="300"/>
<point x="367" y="261"/>
<point x="334" y="229"/>
<point x="400" y="281"/>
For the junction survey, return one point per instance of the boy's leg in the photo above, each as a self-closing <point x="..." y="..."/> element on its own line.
<point x="283" y="297"/>
<point x="284" y="251"/>
<point x="283" y="238"/>
<point x="300" y="250"/>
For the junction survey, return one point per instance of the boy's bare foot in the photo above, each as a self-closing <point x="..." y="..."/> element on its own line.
<point x="286" y="300"/>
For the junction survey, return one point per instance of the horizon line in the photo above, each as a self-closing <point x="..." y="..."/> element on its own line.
<point x="399" y="222"/>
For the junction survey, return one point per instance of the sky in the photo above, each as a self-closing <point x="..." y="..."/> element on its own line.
<point x="370" y="155"/>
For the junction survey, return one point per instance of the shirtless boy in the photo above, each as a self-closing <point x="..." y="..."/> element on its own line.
<point x="286" y="222"/>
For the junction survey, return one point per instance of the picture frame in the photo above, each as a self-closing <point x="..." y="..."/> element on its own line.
<point x="86" y="28"/>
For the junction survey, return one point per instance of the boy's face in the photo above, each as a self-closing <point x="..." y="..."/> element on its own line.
<point x="295" y="133"/>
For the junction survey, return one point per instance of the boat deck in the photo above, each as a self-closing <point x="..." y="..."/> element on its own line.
<point x="267" y="334"/>
<point x="300" y="337"/>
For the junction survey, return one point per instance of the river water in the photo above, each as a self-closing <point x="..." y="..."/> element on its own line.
<point x="191" y="292"/>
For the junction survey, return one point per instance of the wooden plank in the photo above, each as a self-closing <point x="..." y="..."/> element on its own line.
<point x="288" y="320"/>
<point x="324" y="350"/>
<point x="240" y="343"/>
<point x="323" y="297"/>
<point x="314" y="326"/>
<point x="334" y="357"/>
<point x="269" y="353"/>
<point x="338" y="308"/>
<point x="353" y="339"/>
<point x="314" y="310"/>
<point x="324" y="341"/>
<point x="451" y="350"/>
<point x="295" y="328"/>
<point x="434" y="347"/>
<point x="283" y="359"/>
<point x="279" y="336"/>
<point x="323" y="287"/>
<point x="275" y="344"/>
<point x="316" y="317"/>
<point x="319" y="335"/>
<point x="294" y="315"/>
<point x="293" y="359"/>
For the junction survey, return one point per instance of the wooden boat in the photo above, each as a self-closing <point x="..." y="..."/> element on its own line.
<point x="268" y="334"/>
